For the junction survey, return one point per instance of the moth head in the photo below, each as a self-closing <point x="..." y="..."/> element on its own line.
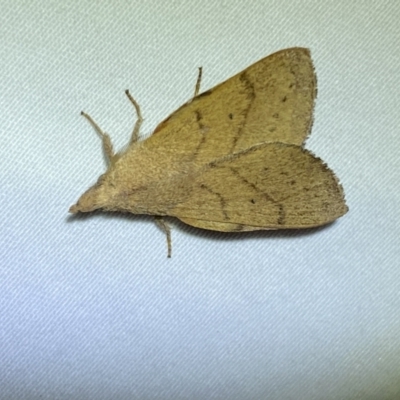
<point x="94" y="198"/>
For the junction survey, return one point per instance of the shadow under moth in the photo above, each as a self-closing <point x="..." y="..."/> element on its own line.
<point x="232" y="159"/>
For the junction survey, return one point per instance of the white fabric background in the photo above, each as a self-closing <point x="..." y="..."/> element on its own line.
<point x="91" y="308"/>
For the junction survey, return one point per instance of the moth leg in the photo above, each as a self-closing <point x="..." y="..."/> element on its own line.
<point x="138" y="123"/>
<point x="197" y="88"/>
<point x="166" y="229"/>
<point x="107" y="145"/>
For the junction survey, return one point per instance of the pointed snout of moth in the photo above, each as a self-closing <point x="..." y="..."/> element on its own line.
<point x="91" y="200"/>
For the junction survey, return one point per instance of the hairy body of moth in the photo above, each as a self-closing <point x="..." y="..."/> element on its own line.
<point x="231" y="159"/>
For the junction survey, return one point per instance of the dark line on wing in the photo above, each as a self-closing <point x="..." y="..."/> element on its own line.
<point x="234" y="156"/>
<point x="282" y="214"/>
<point x="251" y="95"/>
<point x="252" y="185"/>
<point x="198" y="147"/>
<point x="202" y="127"/>
<point x="221" y="200"/>
<point x="199" y="117"/>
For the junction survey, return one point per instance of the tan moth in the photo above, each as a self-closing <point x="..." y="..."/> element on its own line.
<point x="231" y="159"/>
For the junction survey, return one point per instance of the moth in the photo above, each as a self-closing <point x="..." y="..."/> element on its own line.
<point x="231" y="159"/>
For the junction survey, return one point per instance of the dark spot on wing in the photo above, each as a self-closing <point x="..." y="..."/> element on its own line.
<point x="238" y="228"/>
<point x="199" y="116"/>
<point x="282" y="215"/>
